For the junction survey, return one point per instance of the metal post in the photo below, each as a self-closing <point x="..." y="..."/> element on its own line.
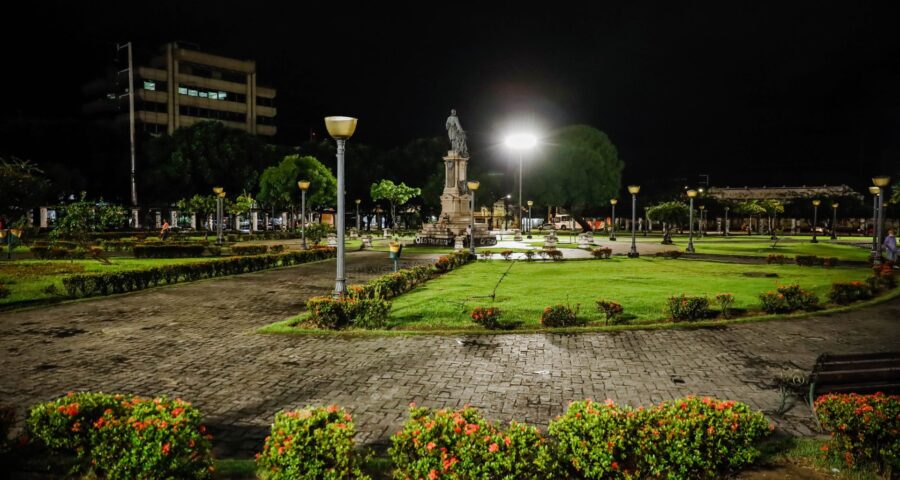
<point x="340" y="283"/>
<point x="357" y="219"/>
<point x="633" y="253"/>
<point x="726" y="222"/>
<point x="815" y="222"/>
<point x="303" y="219"/>
<point x="9" y="244"/>
<point x="529" y="221"/>
<point x="519" y="211"/>
<point x="219" y="208"/>
<point x="690" y="247"/>
<point x="472" y="224"/>
<point x="880" y="222"/>
<point x="875" y="258"/>
<point x="131" y="119"/>
<point x="834" y="223"/>
<point x="612" y="227"/>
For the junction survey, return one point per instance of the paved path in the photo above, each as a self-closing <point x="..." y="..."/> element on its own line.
<point x="196" y="341"/>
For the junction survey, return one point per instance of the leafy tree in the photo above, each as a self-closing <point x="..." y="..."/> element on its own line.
<point x="241" y="205"/>
<point x="580" y="172"/>
<point x="395" y="194"/>
<point x="278" y="184"/>
<point x="750" y="208"/>
<point x="21" y="189"/>
<point x="201" y="205"/>
<point x="670" y="214"/>
<point x="80" y="218"/>
<point x="196" y="158"/>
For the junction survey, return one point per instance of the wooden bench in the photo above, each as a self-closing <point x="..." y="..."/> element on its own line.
<point x="854" y="373"/>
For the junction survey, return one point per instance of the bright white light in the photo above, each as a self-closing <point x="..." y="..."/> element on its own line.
<point x="521" y="141"/>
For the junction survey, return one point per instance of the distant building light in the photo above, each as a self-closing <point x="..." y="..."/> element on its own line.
<point x="182" y="90"/>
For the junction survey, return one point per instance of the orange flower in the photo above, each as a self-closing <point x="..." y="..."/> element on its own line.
<point x="493" y="448"/>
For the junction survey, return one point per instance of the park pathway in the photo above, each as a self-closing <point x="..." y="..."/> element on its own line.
<point x="197" y="341"/>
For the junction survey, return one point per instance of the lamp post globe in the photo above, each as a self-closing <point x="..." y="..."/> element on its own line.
<point x="220" y="207"/>
<point x="530" y="203"/>
<point x="340" y="128"/>
<point x="612" y="224"/>
<point x="633" y="190"/>
<point x="473" y="187"/>
<point x="815" y="204"/>
<point x="691" y="195"/>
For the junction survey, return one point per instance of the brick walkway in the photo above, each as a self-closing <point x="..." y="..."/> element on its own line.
<point x="196" y="341"/>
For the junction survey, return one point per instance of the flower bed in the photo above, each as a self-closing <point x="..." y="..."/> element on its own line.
<point x="92" y="284"/>
<point x="844" y="293"/>
<point x="121" y="436"/>
<point x="560" y="316"/>
<point x="311" y="443"/>
<point x="487" y="317"/>
<point x="864" y="428"/>
<point x="685" y="308"/>
<point x="788" y="298"/>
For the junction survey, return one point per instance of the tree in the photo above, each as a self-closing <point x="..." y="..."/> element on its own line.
<point x="22" y="188"/>
<point x="241" y="206"/>
<point x="669" y="213"/>
<point x="750" y="208"/>
<point x="278" y="184"/>
<point x="80" y="218"/>
<point x="395" y="194"/>
<point x="201" y="205"/>
<point x="196" y="158"/>
<point x="581" y="172"/>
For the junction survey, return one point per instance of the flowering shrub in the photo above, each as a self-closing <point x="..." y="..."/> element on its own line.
<point x="529" y="255"/>
<point x="249" y="249"/>
<point x="448" y="262"/>
<point x="506" y="254"/>
<point x="601" y="253"/>
<point x="669" y="254"/>
<point x="687" y="308"/>
<point x="725" y="301"/>
<point x="882" y="277"/>
<point x="487" y="317"/>
<point x="122" y="436"/>
<point x="807" y="260"/>
<point x="612" y="311"/>
<point x="341" y="312"/>
<point x="776" y="258"/>
<point x="554" y="254"/>
<point x="698" y="438"/>
<point x="863" y="428"/>
<point x="788" y="298"/>
<point x="560" y="316"/>
<point x="313" y="443"/>
<point x="686" y="438"/>
<point x="595" y="440"/>
<point x="462" y="444"/>
<point x="829" y="262"/>
<point x="156" y="438"/>
<point x="848" y="292"/>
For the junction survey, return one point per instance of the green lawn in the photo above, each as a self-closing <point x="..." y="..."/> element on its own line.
<point x="641" y="286"/>
<point x="29" y="279"/>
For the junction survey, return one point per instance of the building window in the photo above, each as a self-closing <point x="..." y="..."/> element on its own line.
<point x="182" y="90"/>
<point x="149" y="85"/>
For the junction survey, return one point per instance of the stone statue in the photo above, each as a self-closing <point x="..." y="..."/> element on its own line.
<point x="457" y="134"/>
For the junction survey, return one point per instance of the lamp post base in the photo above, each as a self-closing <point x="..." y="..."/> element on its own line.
<point x="814" y="240"/>
<point x="633" y="254"/>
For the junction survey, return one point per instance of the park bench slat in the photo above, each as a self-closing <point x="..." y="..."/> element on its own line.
<point x="848" y="357"/>
<point x="856" y="376"/>
<point x="861" y="373"/>
<point x="856" y="365"/>
<point x="886" y="387"/>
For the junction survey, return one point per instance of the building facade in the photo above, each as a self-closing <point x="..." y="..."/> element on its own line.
<point x="741" y="194"/>
<point x="181" y="86"/>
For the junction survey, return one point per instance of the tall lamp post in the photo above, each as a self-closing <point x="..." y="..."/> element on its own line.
<point x="612" y="225"/>
<point x="726" y="222"/>
<point x="530" y="203"/>
<point x="874" y="191"/>
<point x="520" y="142"/>
<point x="473" y="187"/>
<point x="357" y="202"/>
<point x="881" y="182"/>
<point x="816" y="204"/>
<point x="304" y="186"/>
<point x="702" y="224"/>
<point x="633" y="190"/>
<point x="690" y="248"/>
<point x="340" y="128"/>
<point x="834" y="207"/>
<point x="220" y="196"/>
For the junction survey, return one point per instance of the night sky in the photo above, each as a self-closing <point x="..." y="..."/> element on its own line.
<point x="748" y="92"/>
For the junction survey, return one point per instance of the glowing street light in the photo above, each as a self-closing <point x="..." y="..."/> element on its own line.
<point x="520" y="142"/>
<point x="690" y="248"/>
<point x="834" y="207"/>
<point x="633" y="190"/>
<point x="816" y="204"/>
<point x="340" y="128"/>
<point x="220" y="206"/>
<point x="304" y="186"/>
<point x="473" y="187"/>
<point x="530" y="203"/>
<point x="357" y="201"/>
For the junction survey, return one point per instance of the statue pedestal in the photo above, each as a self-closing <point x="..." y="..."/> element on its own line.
<point x="455" y="209"/>
<point x="367" y="242"/>
<point x="518" y="236"/>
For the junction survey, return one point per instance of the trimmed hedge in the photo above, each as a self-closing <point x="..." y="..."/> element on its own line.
<point x="249" y="249"/>
<point x="91" y="284"/>
<point x="168" y="250"/>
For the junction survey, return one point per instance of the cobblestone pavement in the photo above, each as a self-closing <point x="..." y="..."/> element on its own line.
<point x="196" y="341"/>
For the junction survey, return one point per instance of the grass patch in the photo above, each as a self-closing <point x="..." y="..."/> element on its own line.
<point x="807" y="452"/>
<point x="32" y="281"/>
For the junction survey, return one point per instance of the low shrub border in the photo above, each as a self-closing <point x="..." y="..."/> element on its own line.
<point x="864" y="428"/>
<point x="168" y="250"/>
<point x="92" y="284"/>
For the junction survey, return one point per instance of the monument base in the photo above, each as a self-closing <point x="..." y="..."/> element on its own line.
<point x="445" y="235"/>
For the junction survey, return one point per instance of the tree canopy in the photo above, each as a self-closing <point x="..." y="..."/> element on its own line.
<point x="22" y="187"/>
<point x="580" y="172"/>
<point x="278" y="184"/>
<point x="395" y="194"/>
<point x="672" y="213"/>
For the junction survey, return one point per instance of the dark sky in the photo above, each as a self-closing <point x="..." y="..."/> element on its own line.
<point x="748" y="92"/>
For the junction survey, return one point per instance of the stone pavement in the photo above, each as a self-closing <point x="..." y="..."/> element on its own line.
<point x="197" y="341"/>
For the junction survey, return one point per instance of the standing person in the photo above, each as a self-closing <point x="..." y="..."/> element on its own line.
<point x="890" y="247"/>
<point x="164" y="233"/>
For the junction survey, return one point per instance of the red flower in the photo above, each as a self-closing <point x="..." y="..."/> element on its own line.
<point x="493" y="448"/>
<point x="433" y="474"/>
<point x="165" y="449"/>
<point x="614" y="465"/>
